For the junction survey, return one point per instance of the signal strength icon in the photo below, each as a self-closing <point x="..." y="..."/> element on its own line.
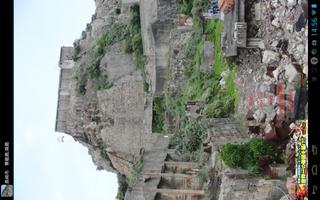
<point x="313" y="12"/>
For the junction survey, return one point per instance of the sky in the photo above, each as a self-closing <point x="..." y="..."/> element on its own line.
<point x="43" y="167"/>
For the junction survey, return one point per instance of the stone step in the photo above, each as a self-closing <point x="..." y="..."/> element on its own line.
<point x="169" y="175"/>
<point x="181" y="164"/>
<point x="176" y="192"/>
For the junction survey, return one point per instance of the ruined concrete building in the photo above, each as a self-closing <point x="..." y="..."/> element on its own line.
<point x="115" y="123"/>
<point x="66" y="64"/>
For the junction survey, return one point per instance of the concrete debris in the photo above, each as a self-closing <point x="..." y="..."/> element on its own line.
<point x="270" y="57"/>
<point x="259" y="116"/>
<point x="291" y="3"/>
<point x="276" y="22"/>
<point x="291" y="74"/>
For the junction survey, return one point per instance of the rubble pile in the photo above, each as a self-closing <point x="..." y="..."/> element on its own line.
<point x="275" y="94"/>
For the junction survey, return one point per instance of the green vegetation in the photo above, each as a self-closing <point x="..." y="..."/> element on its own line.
<point x="134" y="42"/>
<point x="104" y="155"/>
<point x="189" y="140"/>
<point x="114" y="33"/>
<point x="247" y="155"/>
<point x="188" y="7"/>
<point x="136" y="172"/>
<point x="204" y="174"/>
<point x="93" y="17"/>
<point x="219" y="102"/>
<point x="122" y="186"/>
<point x="88" y="27"/>
<point x="205" y="87"/>
<point x="76" y="49"/>
<point x="90" y="69"/>
<point x="158" y="115"/>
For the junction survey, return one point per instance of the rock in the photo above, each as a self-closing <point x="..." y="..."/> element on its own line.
<point x="275" y="3"/>
<point x="276" y="22"/>
<point x="189" y="22"/>
<point x="224" y="74"/>
<point x="279" y="170"/>
<point x="270" y="57"/>
<point x="291" y="74"/>
<point x="291" y="3"/>
<point x="275" y="43"/>
<point x="271" y="116"/>
<point x="305" y="69"/>
<point x="260" y="116"/>
<point x="289" y="28"/>
<point x="276" y="73"/>
<point x="222" y="82"/>
<point x="300" y="48"/>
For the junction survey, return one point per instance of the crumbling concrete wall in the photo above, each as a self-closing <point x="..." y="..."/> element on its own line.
<point x="66" y="64"/>
<point x="158" y="18"/>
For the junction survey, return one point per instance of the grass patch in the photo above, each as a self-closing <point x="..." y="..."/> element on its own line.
<point x="188" y="140"/>
<point x="136" y="172"/>
<point x="134" y="42"/>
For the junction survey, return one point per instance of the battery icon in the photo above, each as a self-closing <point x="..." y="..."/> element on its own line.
<point x="313" y="5"/>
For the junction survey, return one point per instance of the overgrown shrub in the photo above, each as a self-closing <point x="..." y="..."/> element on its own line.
<point x="185" y="6"/>
<point x="104" y="155"/>
<point x="233" y="154"/>
<point x="246" y="155"/>
<point x="221" y="106"/>
<point x="134" y="42"/>
<point x="76" y="49"/>
<point x="189" y="47"/>
<point x="189" y="139"/>
<point x="88" y="27"/>
<point x="136" y="172"/>
<point x="93" y="71"/>
<point x="158" y="115"/>
<point x="102" y="83"/>
<point x="83" y="35"/>
<point x="93" y="17"/>
<point x="81" y="79"/>
<point x="114" y="33"/>
<point x="204" y="174"/>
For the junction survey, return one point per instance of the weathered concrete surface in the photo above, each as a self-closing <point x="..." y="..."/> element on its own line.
<point x="237" y="184"/>
<point x="117" y="64"/>
<point x="157" y="21"/>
